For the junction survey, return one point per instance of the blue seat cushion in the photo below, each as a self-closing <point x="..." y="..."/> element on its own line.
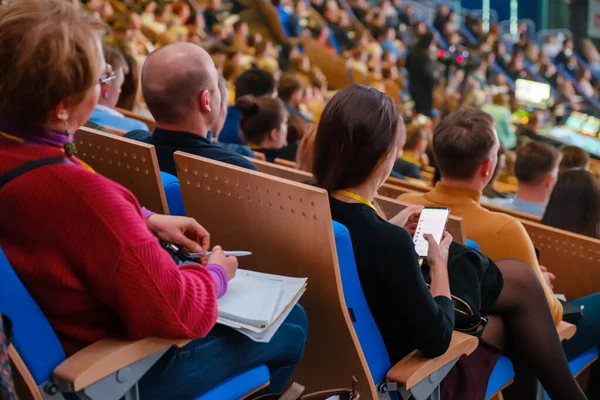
<point x="173" y="194"/>
<point x="239" y="385"/>
<point x="503" y="373"/>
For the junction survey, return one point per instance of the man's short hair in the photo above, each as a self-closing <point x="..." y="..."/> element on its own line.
<point x="414" y="135"/>
<point x="223" y="90"/>
<point x="114" y="57"/>
<point x="535" y="160"/>
<point x="462" y="142"/>
<point x="288" y="85"/>
<point x="254" y="82"/>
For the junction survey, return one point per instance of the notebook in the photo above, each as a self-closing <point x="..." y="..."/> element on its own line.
<point x="251" y="299"/>
<point x="253" y="296"/>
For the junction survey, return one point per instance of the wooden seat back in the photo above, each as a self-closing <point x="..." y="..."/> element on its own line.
<point x="282" y="171"/>
<point x="393" y="91"/>
<point x="128" y="162"/>
<point x="287" y="227"/>
<point x="286" y="163"/>
<point x="271" y="17"/>
<point x="329" y="62"/>
<point x="574" y="259"/>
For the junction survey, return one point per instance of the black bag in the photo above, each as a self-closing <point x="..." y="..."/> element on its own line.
<point x="475" y="284"/>
<point x="571" y="313"/>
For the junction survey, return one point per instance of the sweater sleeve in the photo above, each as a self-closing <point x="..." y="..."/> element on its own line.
<point x="521" y="248"/>
<point x="127" y="269"/>
<point x="428" y="320"/>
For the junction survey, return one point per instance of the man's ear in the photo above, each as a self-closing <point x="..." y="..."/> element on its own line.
<point x="204" y="101"/>
<point x="487" y="168"/>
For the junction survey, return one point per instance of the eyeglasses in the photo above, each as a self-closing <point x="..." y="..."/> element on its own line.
<point x="108" y="76"/>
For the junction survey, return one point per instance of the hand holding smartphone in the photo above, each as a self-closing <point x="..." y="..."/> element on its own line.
<point x="432" y="221"/>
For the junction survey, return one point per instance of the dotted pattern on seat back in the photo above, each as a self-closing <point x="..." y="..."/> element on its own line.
<point x="128" y="162"/>
<point x="287" y="227"/>
<point x="33" y="337"/>
<point x="364" y="324"/>
<point x="574" y="259"/>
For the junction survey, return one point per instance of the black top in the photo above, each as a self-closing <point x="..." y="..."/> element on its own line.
<point x="407" y="169"/>
<point x="286" y="153"/>
<point x="404" y="311"/>
<point x="168" y="142"/>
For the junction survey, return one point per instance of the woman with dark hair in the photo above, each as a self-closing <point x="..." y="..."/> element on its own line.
<point x="129" y="90"/>
<point x="357" y="140"/>
<point x="264" y="124"/>
<point x="573" y="157"/>
<point x="574" y="204"/>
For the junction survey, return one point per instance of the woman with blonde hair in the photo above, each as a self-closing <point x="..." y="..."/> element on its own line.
<point x="105" y="274"/>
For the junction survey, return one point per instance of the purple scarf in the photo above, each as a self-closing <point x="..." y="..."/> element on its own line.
<point x="36" y="135"/>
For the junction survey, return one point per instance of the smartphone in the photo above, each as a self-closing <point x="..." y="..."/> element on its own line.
<point x="433" y="221"/>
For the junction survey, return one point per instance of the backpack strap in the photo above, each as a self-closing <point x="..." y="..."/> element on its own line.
<point x="29" y="166"/>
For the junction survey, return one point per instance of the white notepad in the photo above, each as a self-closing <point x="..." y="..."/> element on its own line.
<point x="249" y="286"/>
<point x="251" y="299"/>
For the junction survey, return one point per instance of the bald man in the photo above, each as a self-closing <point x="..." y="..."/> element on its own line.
<point x="180" y="86"/>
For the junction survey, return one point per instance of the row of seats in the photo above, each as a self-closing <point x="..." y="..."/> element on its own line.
<point x="221" y="196"/>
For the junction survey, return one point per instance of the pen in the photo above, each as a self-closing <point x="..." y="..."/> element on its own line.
<point x="227" y="253"/>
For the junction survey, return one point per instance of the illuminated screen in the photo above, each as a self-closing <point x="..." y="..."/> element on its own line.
<point x="576" y="120"/>
<point x="591" y="126"/>
<point x="531" y="93"/>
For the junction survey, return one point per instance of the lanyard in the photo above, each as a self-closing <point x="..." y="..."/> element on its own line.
<point x="358" y="198"/>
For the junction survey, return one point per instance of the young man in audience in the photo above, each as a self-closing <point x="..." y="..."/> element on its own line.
<point x="253" y="82"/>
<point x="180" y="86"/>
<point x="290" y="91"/>
<point x="409" y="164"/>
<point x="573" y="157"/>
<point x="466" y="145"/>
<point x="104" y="113"/>
<point x="536" y="169"/>
<point x="529" y="131"/>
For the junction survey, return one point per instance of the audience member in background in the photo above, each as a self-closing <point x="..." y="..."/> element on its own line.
<point x="128" y="100"/>
<point x="88" y="295"/>
<point x="218" y="125"/>
<point x="421" y="70"/>
<point x="583" y="78"/>
<point x="536" y="169"/>
<point x="104" y="113"/>
<point x="574" y="204"/>
<point x="441" y="17"/>
<point x="529" y="131"/>
<point x="566" y="52"/>
<point x="7" y="387"/>
<point x="180" y="85"/>
<point x="409" y="164"/>
<point x="466" y="146"/>
<point x="354" y="155"/>
<point x="264" y="124"/>
<point x="551" y="46"/>
<point x="490" y="191"/>
<point x="253" y="82"/>
<point x="591" y="55"/>
<point x="500" y="111"/>
<point x="291" y="91"/>
<point x="573" y="157"/>
<point x="212" y="14"/>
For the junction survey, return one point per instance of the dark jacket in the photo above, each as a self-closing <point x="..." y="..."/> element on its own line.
<point x="421" y="71"/>
<point x="231" y="128"/>
<point x="408" y="169"/>
<point x="168" y="142"/>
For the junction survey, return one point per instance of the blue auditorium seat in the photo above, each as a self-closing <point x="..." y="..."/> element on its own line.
<point x="577" y="365"/>
<point x="173" y="194"/>
<point x="502" y="375"/>
<point x="366" y="329"/>
<point x="37" y="344"/>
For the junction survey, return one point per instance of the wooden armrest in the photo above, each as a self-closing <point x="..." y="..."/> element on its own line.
<point x="566" y="330"/>
<point x="102" y="358"/>
<point x="413" y="368"/>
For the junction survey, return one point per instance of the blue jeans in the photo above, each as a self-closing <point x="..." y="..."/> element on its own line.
<point x="202" y="364"/>
<point x="586" y="337"/>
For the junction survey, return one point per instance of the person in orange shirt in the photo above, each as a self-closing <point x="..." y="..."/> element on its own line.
<point x="466" y="145"/>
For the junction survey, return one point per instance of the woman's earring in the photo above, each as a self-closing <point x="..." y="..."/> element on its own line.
<point x="69" y="146"/>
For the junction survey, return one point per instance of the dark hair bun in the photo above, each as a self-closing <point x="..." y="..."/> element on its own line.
<point x="247" y="105"/>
